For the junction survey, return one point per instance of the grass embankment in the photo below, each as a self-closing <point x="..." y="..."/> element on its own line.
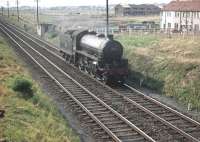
<point x="168" y="65"/>
<point x="29" y="114"/>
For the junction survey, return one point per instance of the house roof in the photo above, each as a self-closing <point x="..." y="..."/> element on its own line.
<point x="178" y="5"/>
<point x="124" y="5"/>
<point x="139" y="6"/>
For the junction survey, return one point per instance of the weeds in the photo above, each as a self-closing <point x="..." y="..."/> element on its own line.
<point x="170" y="66"/>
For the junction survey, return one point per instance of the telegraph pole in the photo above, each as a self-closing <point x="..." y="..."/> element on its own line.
<point x="37" y="12"/>
<point x="107" y="18"/>
<point x="8" y="9"/>
<point x="2" y="10"/>
<point x="18" y="9"/>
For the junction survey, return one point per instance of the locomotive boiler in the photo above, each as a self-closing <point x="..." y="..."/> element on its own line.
<point x="96" y="54"/>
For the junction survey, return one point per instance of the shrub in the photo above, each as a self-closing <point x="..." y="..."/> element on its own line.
<point x="24" y="86"/>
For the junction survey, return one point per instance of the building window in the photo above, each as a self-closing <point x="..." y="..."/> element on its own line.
<point x="195" y="14"/>
<point x="164" y="26"/>
<point x="169" y="14"/>
<point x="169" y="25"/>
<point x="188" y="14"/>
<point x="176" y="14"/>
<point x="176" y="26"/>
<point x="196" y="27"/>
<point x="184" y="14"/>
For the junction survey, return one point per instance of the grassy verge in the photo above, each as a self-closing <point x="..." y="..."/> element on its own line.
<point x="168" y="65"/>
<point x="29" y="114"/>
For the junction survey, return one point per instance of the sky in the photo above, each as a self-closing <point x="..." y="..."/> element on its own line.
<point x="51" y="3"/>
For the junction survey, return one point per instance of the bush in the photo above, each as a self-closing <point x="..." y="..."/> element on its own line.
<point x="24" y="86"/>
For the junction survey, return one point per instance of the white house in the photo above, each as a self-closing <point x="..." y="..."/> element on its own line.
<point x="181" y="16"/>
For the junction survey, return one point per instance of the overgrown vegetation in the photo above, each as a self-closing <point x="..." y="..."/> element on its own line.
<point x="29" y="114"/>
<point x="168" y="65"/>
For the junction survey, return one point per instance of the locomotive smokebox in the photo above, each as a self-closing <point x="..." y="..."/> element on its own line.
<point x="112" y="50"/>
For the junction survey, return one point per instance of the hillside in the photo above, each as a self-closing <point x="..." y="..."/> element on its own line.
<point x="168" y="65"/>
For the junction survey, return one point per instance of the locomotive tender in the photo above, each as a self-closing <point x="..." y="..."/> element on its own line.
<point x="95" y="54"/>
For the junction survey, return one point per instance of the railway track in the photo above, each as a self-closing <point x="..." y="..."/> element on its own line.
<point x="112" y="125"/>
<point x="162" y="112"/>
<point x="179" y="126"/>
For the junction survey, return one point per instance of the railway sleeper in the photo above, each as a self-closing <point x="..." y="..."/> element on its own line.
<point x="105" y="116"/>
<point x="78" y="91"/>
<point x="172" y="119"/>
<point x="76" y="94"/>
<point x="140" y="100"/>
<point x="99" y="132"/>
<point x="102" y="113"/>
<point x="88" y="103"/>
<point x="114" y="122"/>
<point x="78" y="109"/>
<point x="150" y="106"/>
<point x="128" y="136"/>
<point x="83" y="95"/>
<point x="134" y="97"/>
<point x="94" y="126"/>
<point x="127" y="130"/>
<point x="156" y="109"/>
<point x="104" y="137"/>
<point x="64" y="97"/>
<point x="88" y="121"/>
<point x="158" y="112"/>
<point x="96" y="107"/>
<point x="74" y="105"/>
<point x="168" y="115"/>
<point x="69" y="87"/>
<point x="179" y="123"/>
<point x="70" y="100"/>
<point x="97" y="128"/>
<point x="85" y="99"/>
<point x="108" y="119"/>
<point x="100" y="110"/>
<point x="135" y="140"/>
<point x="193" y="130"/>
<point x="115" y="127"/>
<point x="64" y="94"/>
<point x="84" y="115"/>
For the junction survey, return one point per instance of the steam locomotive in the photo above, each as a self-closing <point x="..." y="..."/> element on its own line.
<point x="96" y="54"/>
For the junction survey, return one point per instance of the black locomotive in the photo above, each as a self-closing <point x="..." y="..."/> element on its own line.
<point x="95" y="54"/>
